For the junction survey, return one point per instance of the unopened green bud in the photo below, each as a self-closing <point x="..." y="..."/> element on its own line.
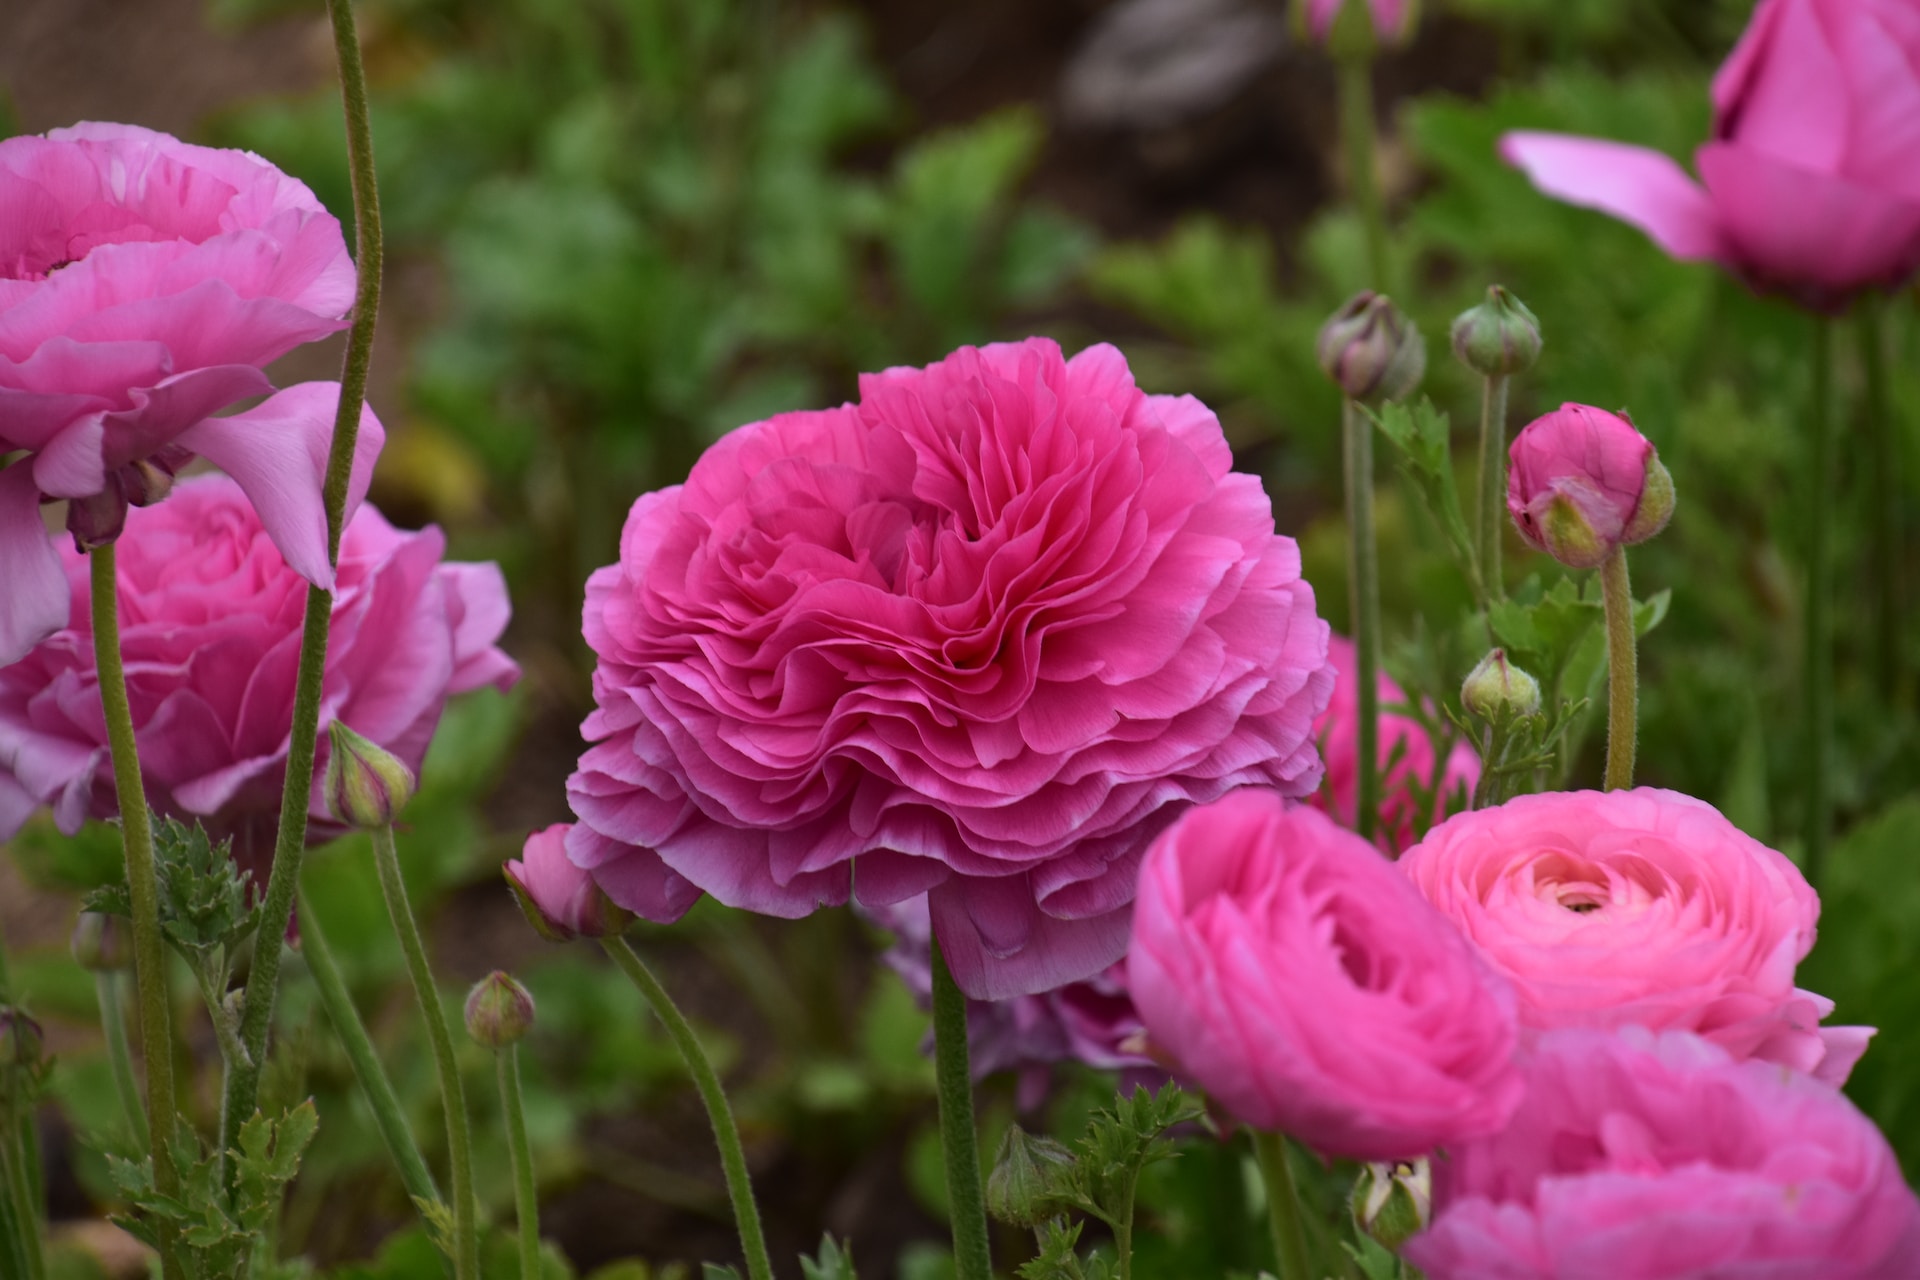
<point x="21" y="1040"/>
<point x="1499" y="337"/>
<point x="366" y="785"/>
<point x="1372" y="350"/>
<point x="1392" y="1202"/>
<point x="1497" y="686"/>
<point x="99" y="943"/>
<point x="499" y="1011"/>
<point x="1021" y="1190"/>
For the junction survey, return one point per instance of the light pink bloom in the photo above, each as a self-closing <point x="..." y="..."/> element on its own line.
<point x="563" y="897"/>
<point x="1644" y="1157"/>
<point x="1642" y="907"/>
<point x="1294" y="975"/>
<point x="1406" y="756"/>
<point x="210" y="622"/>
<point x="1391" y="18"/>
<point x="143" y="283"/>
<point x="1812" y="179"/>
<point x="979" y="636"/>
<point x="1584" y="481"/>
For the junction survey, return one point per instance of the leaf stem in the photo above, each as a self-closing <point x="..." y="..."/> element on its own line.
<point x="1363" y="586"/>
<point x="966" y="1200"/>
<point x="1623" y="671"/>
<point x="1818" y="655"/>
<point x="113" y="1022"/>
<point x="526" y="1198"/>
<point x="1493" y="482"/>
<point x="1283" y="1207"/>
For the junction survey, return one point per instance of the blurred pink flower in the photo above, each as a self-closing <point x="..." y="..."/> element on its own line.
<point x="1391" y="18"/>
<point x="979" y="636"/>
<point x="210" y="622"/>
<point x="1812" y="179"/>
<point x="1647" y="1157"/>
<point x="1642" y="907"/>
<point x="560" y="899"/>
<point x="1294" y="975"/>
<point x="143" y="283"/>
<point x="1406" y="756"/>
<point x="1583" y="482"/>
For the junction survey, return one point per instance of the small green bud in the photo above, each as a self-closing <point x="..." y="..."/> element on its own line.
<point x="499" y="1011"/>
<point x="1392" y="1202"/>
<point x="99" y="943"/>
<point x="1496" y="685"/>
<point x="366" y="785"/>
<point x="21" y="1040"/>
<point x="1499" y="337"/>
<point x="1021" y="1188"/>
<point x="1372" y="350"/>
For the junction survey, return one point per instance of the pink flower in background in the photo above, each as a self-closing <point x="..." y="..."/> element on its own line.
<point x="1647" y="1157"/>
<point x="1406" y="757"/>
<point x="1812" y="179"/>
<point x="1392" y="19"/>
<point x="1642" y="907"/>
<point x="210" y="622"/>
<point x="1295" y="976"/>
<point x="1584" y="481"/>
<point x="980" y="636"/>
<point x="560" y="899"/>
<point x="143" y="283"/>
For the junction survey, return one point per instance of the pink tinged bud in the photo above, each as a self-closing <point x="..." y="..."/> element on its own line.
<point x="1393" y="1202"/>
<point x="1356" y="26"/>
<point x="99" y="943"/>
<point x="560" y="900"/>
<point x="1372" y="350"/>
<point x="1584" y="481"/>
<point x="1499" y="337"/>
<point x="1497" y="687"/>
<point x="366" y="785"/>
<point x="21" y="1040"/>
<point x="499" y="1011"/>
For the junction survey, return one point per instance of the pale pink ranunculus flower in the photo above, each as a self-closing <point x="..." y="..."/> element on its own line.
<point x="1638" y="1156"/>
<point x="1292" y="973"/>
<point x="1812" y="177"/>
<point x="1583" y="482"/>
<point x="560" y="899"/>
<point x="979" y="636"/>
<point x="143" y="284"/>
<point x="210" y="625"/>
<point x="1638" y="908"/>
<point x="1406" y="757"/>
<point x="1392" y="19"/>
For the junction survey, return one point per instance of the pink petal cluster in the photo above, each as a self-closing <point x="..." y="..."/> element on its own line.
<point x="979" y="636"/>
<point x="560" y="898"/>
<point x="1584" y="481"/>
<point x="210" y="624"/>
<point x="1659" y="1157"/>
<point x="1641" y="907"/>
<point x="1295" y="975"/>
<point x="143" y="283"/>
<point x="1812" y="179"/>
<point x="1406" y="757"/>
<point x="1392" y="19"/>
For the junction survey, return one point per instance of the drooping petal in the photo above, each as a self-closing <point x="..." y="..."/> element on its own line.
<point x="33" y="586"/>
<point x="1634" y="184"/>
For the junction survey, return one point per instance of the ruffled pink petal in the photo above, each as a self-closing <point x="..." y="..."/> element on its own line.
<point x="33" y="586"/>
<point x="1634" y="184"/>
<point x="478" y="606"/>
<point x="633" y="878"/>
<point x="999" y="944"/>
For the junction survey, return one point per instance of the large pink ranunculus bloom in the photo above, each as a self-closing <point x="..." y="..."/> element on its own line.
<point x="1406" y="757"/>
<point x="210" y="623"/>
<point x="1812" y="179"/>
<point x="1296" y="976"/>
<point x="1640" y="907"/>
<point x="1638" y="1156"/>
<point x="980" y="636"/>
<point x="1392" y="19"/>
<point x="143" y="284"/>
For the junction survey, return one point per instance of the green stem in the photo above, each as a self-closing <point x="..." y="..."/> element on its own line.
<point x="1358" y="133"/>
<point x="526" y="1199"/>
<point x="143" y="885"/>
<point x="113" y="1021"/>
<point x="243" y="1084"/>
<point x="1493" y="483"/>
<point x="1623" y="671"/>
<point x="20" y="1206"/>
<point x="13" y="1241"/>
<point x="388" y="1115"/>
<point x="453" y="1096"/>
<point x="1363" y="586"/>
<point x="726" y="1134"/>
<point x="953" y="1075"/>
<point x="1883" y="469"/>
<point x="1283" y="1207"/>
<point x="1818" y="655"/>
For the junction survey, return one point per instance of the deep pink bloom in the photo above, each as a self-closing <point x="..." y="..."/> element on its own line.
<point x="1391" y="18"/>
<point x="143" y="283"/>
<point x="1294" y="975"/>
<point x="1640" y="907"/>
<point x="560" y="898"/>
<point x="981" y="636"/>
<point x="1406" y="757"/>
<point x="1584" y="481"/>
<point x="1812" y="179"/>
<point x="210" y="622"/>
<point x="1644" y="1157"/>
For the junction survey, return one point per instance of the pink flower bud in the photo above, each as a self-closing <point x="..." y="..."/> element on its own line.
<point x="499" y="1011"/>
<point x="559" y="899"/>
<point x="1391" y="20"/>
<point x="366" y="784"/>
<point x="1583" y="482"/>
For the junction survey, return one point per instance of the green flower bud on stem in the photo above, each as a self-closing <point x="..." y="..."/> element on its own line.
<point x="366" y="785"/>
<point x="1372" y="350"/>
<point x="1498" y="338"/>
<point x="100" y="943"/>
<point x="1392" y="1202"/>
<point x="1021" y="1188"/>
<point x="1496" y="686"/>
<point x="499" y="1011"/>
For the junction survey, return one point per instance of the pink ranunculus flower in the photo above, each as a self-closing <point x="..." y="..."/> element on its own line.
<point x="1584" y="481"/>
<point x="559" y="899"/>
<point x="1293" y="974"/>
<point x="143" y="284"/>
<point x="979" y="636"/>
<point x="1812" y="179"/>
<point x="210" y="624"/>
<point x="1641" y="907"/>
<point x="1638" y="1156"/>
<point x="1392" y="19"/>
<point x="1406" y="757"/>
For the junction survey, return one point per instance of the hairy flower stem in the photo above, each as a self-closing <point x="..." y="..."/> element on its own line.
<point x="1363" y="588"/>
<point x="1493" y="483"/>
<point x="1883" y="502"/>
<point x="1623" y="671"/>
<point x="22" y="1216"/>
<point x="453" y="1094"/>
<point x="1283" y="1207"/>
<point x="726" y="1134"/>
<point x="143" y="885"/>
<point x="953" y="1077"/>
<point x="256" y="1020"/>
<point x="526" y="1198"/>
<point x="1818" y="655"/>
<point x="1357" y="134"/>
<point x="113" y="1023"/>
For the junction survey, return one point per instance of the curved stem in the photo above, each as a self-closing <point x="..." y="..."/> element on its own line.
<point x="1358" y="132"/>
<point x="1493" y="483"/>
<point x="1623" y="671"/>
<point x="113" y="1022"/>
<point x="1883" y="503"/>
<point x="1818" y="655"/>
<point x="526" y="1198"/>
<point x="953" y="1076"/>
<point x="1283" y="1207"/>
<point x="1363" y="586"/>
<point x="453" y="1095"/>
<point x="726" y="1134"/>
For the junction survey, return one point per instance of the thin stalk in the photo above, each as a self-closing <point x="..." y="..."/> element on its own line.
<point x="1623" y="671"/>
<point x="726" y="1134"/>
<point x="20" y="1207"/>
<point x="388" y="1115"/>
<point x="1493" y="483"/>
<point x="113" y="1021"/>
<point x="1283" y="1207"/>
<point x="953" y="1075"/>
<point x="453" y="1095"/>
<point x="526" y="1198"/>
<point x="6" y="973"/>
<point x="1363" y="586"/>
<point x="13" y="1241"/>
<point x="1819" y="618"/>
<point x="1358" y="132"/>
<point x="143" y="885"/>
<point x="1883" y="503"/>
<point x="243" y="1084"/>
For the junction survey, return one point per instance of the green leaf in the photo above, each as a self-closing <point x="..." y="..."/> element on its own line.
<point x="204" y="895"/>
<point x="832" y="1262"/>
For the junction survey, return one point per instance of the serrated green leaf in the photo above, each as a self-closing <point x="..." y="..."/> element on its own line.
<point x="832" y="1262"/>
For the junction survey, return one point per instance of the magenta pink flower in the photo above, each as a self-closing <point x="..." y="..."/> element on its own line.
<point x="1812" y="179"/>
<point x="1584" y="481"/>
<point x="1406" y="757"/>
<point x="1292" y="973"/>
<point x="143" y="283"/>
<point x="979" y="636"/>
<point x="1392" y="19"/>
<point x="1644" y="1157"/>
<point x="560" y="899"/>
<point x="210" y="619"/>
<point x="1642" y="907"/>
